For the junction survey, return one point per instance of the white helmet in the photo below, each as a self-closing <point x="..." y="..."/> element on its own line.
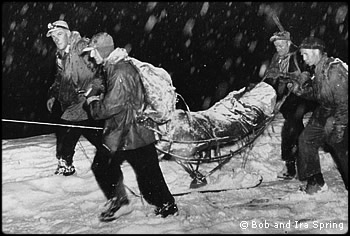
<point x="60" y="24"/>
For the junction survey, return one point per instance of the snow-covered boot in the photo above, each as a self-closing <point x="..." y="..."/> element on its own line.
<point x="289" y="172"/>
<point x="115" y="208"/>
<point x="315" y="184"/>
<point x="64" y="169"/>
<point x="166" y="209"/>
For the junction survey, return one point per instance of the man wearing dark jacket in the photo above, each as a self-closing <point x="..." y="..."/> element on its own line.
<point x="65" y="101"/>
<point x="329" y="122"/>
<point x="284" y="62"/>
<point x="123" y="137"/>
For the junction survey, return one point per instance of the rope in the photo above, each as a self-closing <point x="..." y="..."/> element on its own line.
<point x="247" y="142"/>
<point x="188" y="113"/>
<point x="133" y="193"/>
<point x="83" y="149"/>
<point x="52" y="124"/>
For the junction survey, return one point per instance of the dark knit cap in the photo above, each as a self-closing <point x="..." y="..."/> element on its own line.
<point x="102" y="42"/>
<point x="312" y="43"/>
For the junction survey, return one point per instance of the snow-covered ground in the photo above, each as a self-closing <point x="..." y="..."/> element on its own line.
<point x="35" y="201"/>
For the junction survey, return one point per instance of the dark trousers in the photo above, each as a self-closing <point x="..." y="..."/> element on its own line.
<point x="144" y="161"/>
<point x="68" y="137"/>
<point x="312" y="138"/>
<point x="293" y="111"/>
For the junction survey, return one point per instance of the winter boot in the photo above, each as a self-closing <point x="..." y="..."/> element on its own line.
<point x="315" y="184"/>
<point x="115" y="208"/>
<point x="166" y="209"/>
<point x="64" y="169"/>
<point x="289" y="172"/>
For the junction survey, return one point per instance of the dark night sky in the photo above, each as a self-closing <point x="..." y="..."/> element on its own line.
<point x="209" y="48"/>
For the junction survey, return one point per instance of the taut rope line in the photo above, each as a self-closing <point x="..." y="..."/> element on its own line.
<point x="52" y="124"/>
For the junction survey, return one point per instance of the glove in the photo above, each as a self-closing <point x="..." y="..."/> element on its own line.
<point x="95" y="88"/>
<point x="293" y="86"/>
<point x="49" y="104"/>
<point x="304" y="77"/>
<point x="337" y="134"/>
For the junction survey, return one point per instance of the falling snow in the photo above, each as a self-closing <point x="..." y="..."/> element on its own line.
<point x="35" y="201"/>
<point x="209" y="49"/>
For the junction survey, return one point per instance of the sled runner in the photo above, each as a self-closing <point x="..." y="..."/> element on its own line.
<point x="195" y="138"/>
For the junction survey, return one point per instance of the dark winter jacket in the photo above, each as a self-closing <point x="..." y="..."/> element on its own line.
<point x="74" y="73"/>
<point x="292" y="62"/>
<point x="329" y="87"/>
<point x="122" y="102"/>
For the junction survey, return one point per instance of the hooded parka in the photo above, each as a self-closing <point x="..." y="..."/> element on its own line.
<point x="74" y="73"/>
<point x="122" y="102"/>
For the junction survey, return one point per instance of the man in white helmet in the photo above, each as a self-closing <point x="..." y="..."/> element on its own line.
<point x="74" y="72"/>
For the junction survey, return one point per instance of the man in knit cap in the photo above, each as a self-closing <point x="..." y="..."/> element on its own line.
<point x="329" y="122"/>
<point x="286" y="60"/>
<point x="124" y="138"/>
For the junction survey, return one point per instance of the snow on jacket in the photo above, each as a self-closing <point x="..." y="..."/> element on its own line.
<point x="74" y="73"/>
<point x="329" y="87"/>
<point x="122" y="102"/>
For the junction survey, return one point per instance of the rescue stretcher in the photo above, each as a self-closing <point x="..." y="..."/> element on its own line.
<point x="192" y="139"/>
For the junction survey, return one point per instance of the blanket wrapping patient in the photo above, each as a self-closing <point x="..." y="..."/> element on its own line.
<point x="228" y="121"/>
